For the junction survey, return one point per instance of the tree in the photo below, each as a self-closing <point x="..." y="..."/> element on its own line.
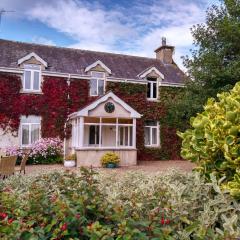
<point x="214" y="65"/>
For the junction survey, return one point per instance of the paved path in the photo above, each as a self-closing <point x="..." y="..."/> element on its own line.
<point x="148" y="166"/>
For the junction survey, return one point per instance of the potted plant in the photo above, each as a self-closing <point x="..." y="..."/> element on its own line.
<point x="70" y="160"/>
<point x="110" y="160"/>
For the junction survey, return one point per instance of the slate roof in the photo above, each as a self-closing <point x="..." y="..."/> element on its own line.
<point x="74" y="61"/>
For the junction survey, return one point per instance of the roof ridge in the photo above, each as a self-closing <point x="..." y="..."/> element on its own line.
<point x="78" y="49"/>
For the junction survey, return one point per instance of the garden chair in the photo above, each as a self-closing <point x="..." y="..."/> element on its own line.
<point x="7" y="166"/>
<point x="22" y="165"/>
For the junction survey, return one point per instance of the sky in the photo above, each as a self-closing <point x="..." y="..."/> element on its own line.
<point x="132" y="27"/>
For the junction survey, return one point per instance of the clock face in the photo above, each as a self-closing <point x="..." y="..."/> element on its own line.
<point x="109" y="107"/>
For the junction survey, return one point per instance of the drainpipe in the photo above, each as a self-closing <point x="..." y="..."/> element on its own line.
<point x="65" y="125"/>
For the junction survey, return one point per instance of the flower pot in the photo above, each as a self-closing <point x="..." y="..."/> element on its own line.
<point x="111" y="165"/>
<point x="69" y="163"/>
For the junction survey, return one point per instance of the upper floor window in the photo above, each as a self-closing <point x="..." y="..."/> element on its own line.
<point x="97" y="83"/>
<point x="30" y="130"/>
<point x="151" y="134"/>
<point x="152" y="88"/>
<point x="32" y="78"/>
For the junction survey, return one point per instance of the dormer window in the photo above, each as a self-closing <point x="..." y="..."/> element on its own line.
<point x="152" y="88"/>
<point x="32" y="78"/>
<point x="97" y="83"/>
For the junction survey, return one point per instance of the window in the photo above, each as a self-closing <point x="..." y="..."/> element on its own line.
<point x="125" y="136"/>
<point x="32" y="78"/>
<point x="30" y="130"/>
<point x="152" y="88"/>
<point x="97" y="84"/>
<point x="93" y="135"/>
<point x="151" y="134"/>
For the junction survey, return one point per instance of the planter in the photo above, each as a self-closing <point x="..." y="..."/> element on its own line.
<point x="69" y="163"/>
<point x="111" y="165"/>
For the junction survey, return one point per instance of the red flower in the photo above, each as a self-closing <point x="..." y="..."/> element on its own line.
<point x="10" y="220"/>
<point x="162" y="221"/>
<point x="3" y="215"/>
<point x="64" y="227"/>
<point x="167" y="221"/>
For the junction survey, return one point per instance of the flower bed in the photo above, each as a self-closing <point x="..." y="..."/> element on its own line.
<point x="169" y="205"/>
<point x="43" y="151"/>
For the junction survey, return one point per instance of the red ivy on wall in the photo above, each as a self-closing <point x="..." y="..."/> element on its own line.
<point x="135" y="96"/>
<point x="58" y="100"/>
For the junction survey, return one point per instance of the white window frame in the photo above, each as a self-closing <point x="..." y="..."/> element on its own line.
<point x="129" y="135"/>
<point x="30" y="130"/>
<point x="151" y="98"/>
<point x="32" y="68"/>
<point x="158" y="135"/>
<point x="98" y="79"/>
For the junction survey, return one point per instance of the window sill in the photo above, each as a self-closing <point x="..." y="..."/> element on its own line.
<point x="31" y="92"/>
<point x="105" y="148"/>
<point x="152" y="146"/>
<point x="152" y="99"/>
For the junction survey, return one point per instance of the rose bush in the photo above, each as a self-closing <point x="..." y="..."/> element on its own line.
<point x="67" y="205"/>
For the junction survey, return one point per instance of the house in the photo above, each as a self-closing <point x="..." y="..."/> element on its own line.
<point x="96" y="101"/>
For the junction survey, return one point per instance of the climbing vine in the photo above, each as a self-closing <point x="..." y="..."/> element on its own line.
<point x="59" y="99"/>
<point x="135" y="96"/>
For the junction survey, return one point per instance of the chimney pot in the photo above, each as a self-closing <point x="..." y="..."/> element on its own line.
<point x="164" y="41"/>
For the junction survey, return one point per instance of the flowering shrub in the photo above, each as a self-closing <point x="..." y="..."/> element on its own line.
<point x="14" y="151"/>
<point x="110" y="157"/>
<point x="46" y="150"/>
<point x="67" y="205"/>
<point x="72" y="157"/>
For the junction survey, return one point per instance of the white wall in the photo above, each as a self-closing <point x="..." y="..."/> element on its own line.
<point x="7" y="140"/>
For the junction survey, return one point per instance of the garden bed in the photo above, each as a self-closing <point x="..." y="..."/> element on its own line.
<point x="134" y="205"/>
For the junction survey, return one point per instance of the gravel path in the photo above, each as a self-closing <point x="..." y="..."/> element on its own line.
<point x="148" y="166"/>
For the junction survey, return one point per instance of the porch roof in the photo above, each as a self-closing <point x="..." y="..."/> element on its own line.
<point x="84" y="112"/>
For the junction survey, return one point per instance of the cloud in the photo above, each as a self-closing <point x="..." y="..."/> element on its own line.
<point x="43" y="40"/>
<point x="135" y="28"/>
<point x="85" y="24"/>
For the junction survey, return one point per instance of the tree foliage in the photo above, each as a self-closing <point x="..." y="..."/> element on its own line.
<point x="215" y="62"/>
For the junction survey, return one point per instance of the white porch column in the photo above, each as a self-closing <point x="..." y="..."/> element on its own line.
<point x="117" y="128"/>
<point x="73" y="133"/>
<point x="100" y="132"/>
<point x="134" y="132"/>
<point x="77" y="132"/>
<point x="81" y="132"/>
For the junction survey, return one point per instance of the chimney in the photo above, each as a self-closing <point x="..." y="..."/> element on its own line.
<point x="165" y="52"/>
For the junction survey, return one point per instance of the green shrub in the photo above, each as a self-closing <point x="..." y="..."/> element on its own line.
<point x="110" y="157"/>
<point x="213" y="142"/>
<point x="166" y="206"/>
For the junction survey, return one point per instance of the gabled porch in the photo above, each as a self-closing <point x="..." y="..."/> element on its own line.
<point x="108" y="124"/>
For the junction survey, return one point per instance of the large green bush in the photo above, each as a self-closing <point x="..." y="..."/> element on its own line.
<point x="213" y="143"/>
<point x="134" y="206"/>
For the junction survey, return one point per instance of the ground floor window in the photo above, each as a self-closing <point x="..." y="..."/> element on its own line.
<point x="30" y="129"/>
<point x="151" y="134"/>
